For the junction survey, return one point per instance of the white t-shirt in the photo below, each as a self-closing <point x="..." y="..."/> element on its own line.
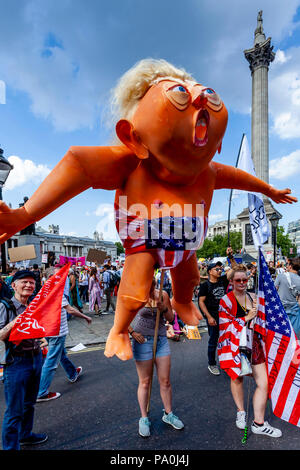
<point x="286" y="294"/>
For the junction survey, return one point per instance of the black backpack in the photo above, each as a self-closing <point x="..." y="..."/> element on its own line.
<point x="114" y="279"/>
<point x="5" y="291"/>
<point x="9" y="305"/>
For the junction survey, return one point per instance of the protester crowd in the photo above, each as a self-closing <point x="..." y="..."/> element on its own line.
<point x="94" y="289"/>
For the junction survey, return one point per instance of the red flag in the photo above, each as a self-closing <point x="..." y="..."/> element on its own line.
<point x="42" y="316"/>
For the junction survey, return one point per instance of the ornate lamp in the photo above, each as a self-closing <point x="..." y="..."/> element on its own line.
<point x="5" y="169"/>
<point x="274" y="219"/>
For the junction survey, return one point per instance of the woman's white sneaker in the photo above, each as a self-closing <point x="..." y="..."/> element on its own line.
<point x="144" y="427"/>
<point x="241" y="419"/>
<point x="266" y="430"/>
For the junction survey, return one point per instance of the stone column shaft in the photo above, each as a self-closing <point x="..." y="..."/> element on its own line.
<point x="260" y="123"/>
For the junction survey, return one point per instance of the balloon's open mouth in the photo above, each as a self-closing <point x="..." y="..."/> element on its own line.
<point x="201" y="128"/>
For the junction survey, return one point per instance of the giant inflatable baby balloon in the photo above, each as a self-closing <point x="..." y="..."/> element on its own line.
<point x="169" y="127"/>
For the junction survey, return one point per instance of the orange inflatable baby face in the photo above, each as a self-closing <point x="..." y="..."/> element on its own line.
<point x="181" y="123"/>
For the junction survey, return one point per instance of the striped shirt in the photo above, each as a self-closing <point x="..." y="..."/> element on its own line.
<point x="64" y="329"/>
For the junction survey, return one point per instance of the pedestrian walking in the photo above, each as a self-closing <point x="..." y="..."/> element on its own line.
<point x="57" y="352"/>
<point x="288" y="286"/>
<point x="210" y="294"/>
<point x="142" y="333"/>
<point x="84" y="285"/>
<point x="74" y="296"/>
<point x="38" y="281"/>
<point x="22" y="369"/>
<point x="94" y="292"/>
<point x="109" y="284"/>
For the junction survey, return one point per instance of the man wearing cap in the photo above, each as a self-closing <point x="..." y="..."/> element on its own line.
<point x="210" y="294"/>
<point x="22" y="369"/>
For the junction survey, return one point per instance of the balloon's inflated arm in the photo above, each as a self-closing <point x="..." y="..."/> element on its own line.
<point x="230" y="177"/>
<point x="80" y="169"/>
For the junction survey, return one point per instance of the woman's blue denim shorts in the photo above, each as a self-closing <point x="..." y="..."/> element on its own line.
<point x="144" y="352"/>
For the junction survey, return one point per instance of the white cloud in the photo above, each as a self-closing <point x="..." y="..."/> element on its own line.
<point x="281" y="57"/>
<point x="66" y="57"/>
<point x="25" y="171"/>
<point x="285" y="167"/>
<point x="284" y="99"/>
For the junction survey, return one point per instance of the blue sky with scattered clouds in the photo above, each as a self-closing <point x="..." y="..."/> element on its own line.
<point x="60" y="58"/>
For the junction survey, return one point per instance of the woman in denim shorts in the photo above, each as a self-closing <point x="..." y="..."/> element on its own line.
<point x="142" y="332"/>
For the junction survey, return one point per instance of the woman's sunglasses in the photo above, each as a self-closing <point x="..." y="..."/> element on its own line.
<point x="244" y="281"/>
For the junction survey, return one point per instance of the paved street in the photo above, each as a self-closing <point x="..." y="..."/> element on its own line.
<point x="100" y="411"/>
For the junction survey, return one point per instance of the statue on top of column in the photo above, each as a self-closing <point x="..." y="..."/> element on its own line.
<point x="259" y="35"/>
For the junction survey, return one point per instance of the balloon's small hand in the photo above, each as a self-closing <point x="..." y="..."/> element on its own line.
<point x="12" y="221"/>
<point x="282" y="196"/>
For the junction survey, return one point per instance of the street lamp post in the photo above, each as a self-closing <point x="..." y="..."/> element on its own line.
<point x="274" y="219"/>
<point x="5" y="169"/>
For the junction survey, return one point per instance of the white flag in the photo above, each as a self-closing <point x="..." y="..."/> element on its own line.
<point x="245" y="163"/>
<point x="258" y="220"/>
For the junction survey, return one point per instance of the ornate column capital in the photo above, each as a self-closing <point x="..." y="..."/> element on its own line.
<point x="260" y="55"/>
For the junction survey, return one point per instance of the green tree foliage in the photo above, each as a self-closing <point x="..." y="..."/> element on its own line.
<point x="218" y="245"/>
<point x="120" y="248"/>
<point x="284" y="242"/>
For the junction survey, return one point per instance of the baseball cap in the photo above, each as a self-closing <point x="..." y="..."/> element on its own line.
<point x="213" y="265"/>
<point x="22" y="274"/>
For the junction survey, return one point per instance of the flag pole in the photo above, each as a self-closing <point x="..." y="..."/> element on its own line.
<point x="155" y="337"/>
<point x="245" y="437"/>
<point x="231" y="192"/>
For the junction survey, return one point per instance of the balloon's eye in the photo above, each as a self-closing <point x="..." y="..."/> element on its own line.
<point x="213" y="100"/>
<point x="179" y="96"/>
<point x="180" y="88"/>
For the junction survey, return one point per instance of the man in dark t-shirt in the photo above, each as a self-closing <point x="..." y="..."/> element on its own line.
<point x="210" y="294"/>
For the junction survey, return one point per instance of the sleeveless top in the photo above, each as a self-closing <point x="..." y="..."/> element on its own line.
<point x="240" y="311"/>
<point x="144" y="322"/>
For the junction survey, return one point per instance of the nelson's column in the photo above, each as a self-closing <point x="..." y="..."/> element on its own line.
<point x="259" y="57"/>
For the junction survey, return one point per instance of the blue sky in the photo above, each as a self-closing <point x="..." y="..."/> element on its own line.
<point x="60" y="58"/>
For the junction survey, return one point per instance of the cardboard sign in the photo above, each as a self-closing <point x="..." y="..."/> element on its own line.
<point x="78" y="261"/>
<point x="191" y="332"/>
<point x="96" y="256"/>
<point x="21" y="253"/>
<point x="45" y="258"/>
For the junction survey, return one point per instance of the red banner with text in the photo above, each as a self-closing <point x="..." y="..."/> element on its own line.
<point x="42" y="316"/>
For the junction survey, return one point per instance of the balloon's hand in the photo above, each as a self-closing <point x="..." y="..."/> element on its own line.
<point x="12" y="221"/>
<point x="282" y="196"/>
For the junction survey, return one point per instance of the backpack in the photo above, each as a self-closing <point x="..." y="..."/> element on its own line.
<point x="9" y="305"/>
<point x="5" y="291"/>
<point x="114" y="279"/>
<point x="167" y="282"/>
